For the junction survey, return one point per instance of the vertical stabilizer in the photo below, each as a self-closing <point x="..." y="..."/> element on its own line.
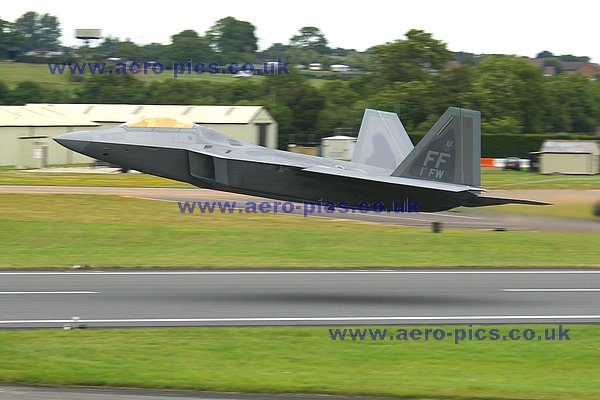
<point x="382" y="140"/>
<point x="450" y="152"/>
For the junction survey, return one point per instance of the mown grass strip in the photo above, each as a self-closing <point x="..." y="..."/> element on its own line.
<point x="110" y="231"/>
<point x="306" y="360"/>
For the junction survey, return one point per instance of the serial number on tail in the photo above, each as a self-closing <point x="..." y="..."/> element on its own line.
<point x="438" y="158"/>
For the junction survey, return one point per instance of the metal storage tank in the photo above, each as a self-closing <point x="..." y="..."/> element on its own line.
<point x="338" y="147"/>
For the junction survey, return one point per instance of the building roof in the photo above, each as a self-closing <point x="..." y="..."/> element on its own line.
<point x="40" y="116"/>
<point x="128" y="112"/>
<point x="570" y="146"/>
<point x="573" y="65"/>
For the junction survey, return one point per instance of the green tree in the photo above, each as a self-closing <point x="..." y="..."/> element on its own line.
<point x="572" y="58"/>
<point x="451" y="87"/>
<point x="426" y="51"/>
<point x="465" y="58"/>
<point x="89" y="54"/>
<point x="365" y="84"/>
<point x="573" y="104"/>
<point x="412" y="101"/>
<point x="170" y="91"/>
<point x="188" y="44"/>
<point x="285" y="120"/>
<point x="506" y="89"/>
<point x="545" y="54"/>
<point x="130" y="51"/>
<point x="155" y="51"/>
<point x="49" y="32"/>
<point x="276" y="51"/>
<point x="310" y="38"/>
<point x="41" y="32"/>
<point x="339" y="93"/>
<point x="233" y="39"/>
<point x="298" y="55"/>
<point x="5" y="94"/>
<point x="28" y="26"/>
<point x="339" y="110"/>
<point x="108" y="47"/>
<point x="114" y="89"/>
<point x="304" y="101"/>
<point x="32" y="92"/>
<point x="410" y="59"/>
<point x="357" y="60"/>
<point x="28" y="92"/>
<point x="11" y="38"/>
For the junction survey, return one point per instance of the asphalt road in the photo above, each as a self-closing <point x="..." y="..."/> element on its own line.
<point x="467" y="219"/>
<point x="283" y="297"/>
<point x="12" y="392"/>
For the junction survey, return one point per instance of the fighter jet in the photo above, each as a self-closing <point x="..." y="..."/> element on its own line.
<point x="440" y="173"/>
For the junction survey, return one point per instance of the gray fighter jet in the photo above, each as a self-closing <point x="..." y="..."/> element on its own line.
<point x="441" y="172"/>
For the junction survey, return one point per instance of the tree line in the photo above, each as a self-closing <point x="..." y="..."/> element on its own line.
<point x="411" y="76"/>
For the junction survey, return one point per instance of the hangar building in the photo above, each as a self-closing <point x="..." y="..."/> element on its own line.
<point x="26" y="131"/>
<point x="570" y="157"/>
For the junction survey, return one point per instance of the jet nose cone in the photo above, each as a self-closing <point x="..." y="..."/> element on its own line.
<point x="76" y="141"/>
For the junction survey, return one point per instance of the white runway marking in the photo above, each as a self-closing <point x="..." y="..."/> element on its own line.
<point x="451" y="215"/>
<point x="551" y="290"/>
<point x="306" y="319"/>
<point x="69" y="292"/>
<point x="304" y="272"/>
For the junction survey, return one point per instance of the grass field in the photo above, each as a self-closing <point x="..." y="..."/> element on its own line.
<point x="12" y="73"/>
<point x="500" y="179"/>
<point x="492" y="179"/>
<point x="109" y="231"/>
<point x="571" y="210"/>
<point x="306" y="360"/>
<point x="16" y="177"/>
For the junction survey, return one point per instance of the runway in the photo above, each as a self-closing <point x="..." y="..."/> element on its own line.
<point x="466" y="219"/>
<point x="23" y="392"/>
<point x="296" y="297"/>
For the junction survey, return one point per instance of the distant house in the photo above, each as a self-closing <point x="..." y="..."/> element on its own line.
<point x="588" y="69"/>
<point x="577" y="157"/>
<point x="540" y="63"/>
<point x="452" y="64"/>
<point x="591" y="70"/>
<point x="549" y="71"/>
<point x="339" y="68"/>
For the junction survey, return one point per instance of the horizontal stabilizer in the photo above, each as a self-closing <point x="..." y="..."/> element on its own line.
<point x="481" y="201"/>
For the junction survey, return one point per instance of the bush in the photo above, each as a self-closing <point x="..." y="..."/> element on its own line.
<point x="44" y="60"/>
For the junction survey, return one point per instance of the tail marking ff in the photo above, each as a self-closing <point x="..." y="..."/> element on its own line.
<point x="449" y="152"/>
